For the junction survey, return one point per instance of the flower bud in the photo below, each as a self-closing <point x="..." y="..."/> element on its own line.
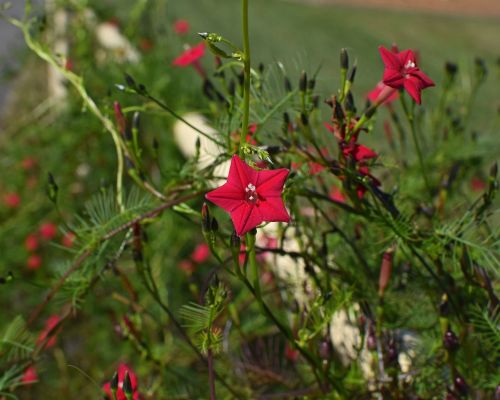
<point x="385" y="271"/>
<point x="450" y="341"/>
<point x="352" y="73"/>
<point x="235" y="241"/>
<point x="129" y="81"/>
<point x="460" y="385"/>
<point x="480" y="69"/>
<point x="52" y="188"/>
<point x="114" y="383"/>
<point x="344" y="59"/>
<point x="214" y="225"/>
<point x="325" y="349"/>
<point x="444" y="306"/>
<point x="304" y="119"/>
<point x="338" y="113"/>
<point x="119" y="118"/>
<point x="288" y="84"/>
<point x="127" y="385"/>
<point x="205" y="218"/>
<point x="451" y="69"/>
<point x="311" y="84"/>
<point x="371" y="339"/>
<point x="303" y="81"/>
<point x="349" y="103"/>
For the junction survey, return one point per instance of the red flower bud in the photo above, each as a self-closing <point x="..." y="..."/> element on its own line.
<point x="385" y="271"/>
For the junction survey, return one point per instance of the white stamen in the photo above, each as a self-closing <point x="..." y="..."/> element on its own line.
<point x="410" y="64"/>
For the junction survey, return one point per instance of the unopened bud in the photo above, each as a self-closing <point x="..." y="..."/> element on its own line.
<point x="235" y="241"/>
<point x="444" y="306"/>
<point x="352" y="73"/>
<point x="385" y="271"/>
<point x="205" y="218"/>
<point x="349" y="103"/>
<point x="460" y="385"/>
<point x="214" y="225"/>
<point x="325" y="350"/>
<point x="52" y="188"/>
<point x="450" y="341"/>
<point x="114" y="382"/>
<point x="119" y="117"/>
<point x="261" y="68"/>
<point x="480" y="69"/>
<point x="304" y="119"/>
<point x="129" y="81"/>
<point x="127" y="385"/>
<point x="303" y="81"/>
<point x="288" y="84"/>
<point x="311" y="84"/>
<point x="338" y="113"/>
<point x="451" y="69"/>
<point x="344" y="59"/>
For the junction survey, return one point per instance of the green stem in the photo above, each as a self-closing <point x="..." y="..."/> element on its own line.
<point x="246" y="84"/>
<point x="411" y="121"/>
<point x="254" y="273"/>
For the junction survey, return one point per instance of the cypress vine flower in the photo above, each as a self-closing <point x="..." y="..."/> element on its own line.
<point x="251" y="197"/>
<point x="401" y="71"/>
<point x="190" y="56"/>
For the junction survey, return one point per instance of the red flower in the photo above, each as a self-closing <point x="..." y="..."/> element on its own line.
<point x="187" y="266"/>
<point x="190" y="56"/>
<point x="31" y="242"/>
<point x="30" y="376"/>
<point x="28" y="163"/>
<point x="12" y="200"/>
<point x="337" y="195"/>
<point x="34" y="262"/>
<point x="251" y="197"/>
<point x="200" y="253"/>
<point x="48" y="230"/>
<point x="477" y="184"/>
<point x="120" y="395"/>
<point x="401" y="71"/>
<point x="382" y="93"/>
<point x="68" y="239"/>
<point x="358" y="151"/>
<point x="181" y="26"/>
<point x="48" y="331"/>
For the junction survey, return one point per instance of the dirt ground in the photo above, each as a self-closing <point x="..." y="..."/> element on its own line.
<point x="490" y="8"/>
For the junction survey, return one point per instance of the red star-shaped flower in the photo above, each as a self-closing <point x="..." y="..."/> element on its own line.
<point x="190" y="56"/>
<point x="401" y="71"/>
<point x="251" y="197"/>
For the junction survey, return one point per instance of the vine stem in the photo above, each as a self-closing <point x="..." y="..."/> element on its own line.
<point x="411" y="121"/>
<point x="211" y="375"/>
<point x="246" y="71"/>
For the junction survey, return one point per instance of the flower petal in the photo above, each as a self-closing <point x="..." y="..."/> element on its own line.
<point x="273" y="210"/>
<point x="241" y="174"/>
<point x="393" y="78"/>
<point x="412" y="86"/>
<point x="426" y="81"/>
<point x="390" y="59"/>
<point x="270" y="182"/>
<point x="228" y="196"/>
<point x="245" y="217"/>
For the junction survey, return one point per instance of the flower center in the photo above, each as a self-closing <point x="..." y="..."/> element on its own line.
<point x="410" y="64"/>
<point x="251" y="195"/>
